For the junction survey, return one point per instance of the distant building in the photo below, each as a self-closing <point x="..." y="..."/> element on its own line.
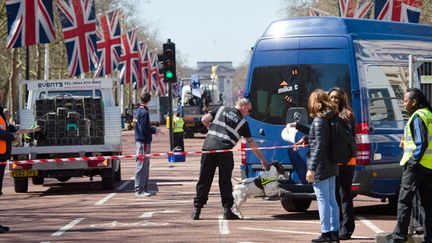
<point x="225" y="72"/>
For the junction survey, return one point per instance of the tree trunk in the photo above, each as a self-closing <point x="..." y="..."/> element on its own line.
<point x="12" y="83"/>
<point x="39" y="58"/>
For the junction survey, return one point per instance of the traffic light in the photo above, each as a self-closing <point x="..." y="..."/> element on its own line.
<point x="169" y="62"/>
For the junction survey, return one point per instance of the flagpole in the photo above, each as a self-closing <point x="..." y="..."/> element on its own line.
<point x="122" y="99"/>
<point x="46" y="71"/>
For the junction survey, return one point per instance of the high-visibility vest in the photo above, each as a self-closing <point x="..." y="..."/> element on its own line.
<point x="227" y="132"/>
<point x="3" y="126"/>
<point x="178" y="124"/>
<point x="409" y="145"/>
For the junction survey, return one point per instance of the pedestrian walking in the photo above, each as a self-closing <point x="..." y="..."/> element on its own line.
<point x="226" y="125"/>
<point x="416" y="163"/>
<point x="321" y="170"/>
<point x="346" y="168"/>
<point x="143" y="139"/>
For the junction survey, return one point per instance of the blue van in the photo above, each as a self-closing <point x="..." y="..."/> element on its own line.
<point x="366" y="58"/>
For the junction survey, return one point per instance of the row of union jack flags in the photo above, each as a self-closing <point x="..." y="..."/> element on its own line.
<point x="391" y="10"/>
<point x="103" y="50"/>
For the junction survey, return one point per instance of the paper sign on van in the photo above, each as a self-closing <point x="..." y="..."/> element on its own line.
<point x="426" y="79"/>
<point x="69" y="84"/>
<point x="287" y="89"/>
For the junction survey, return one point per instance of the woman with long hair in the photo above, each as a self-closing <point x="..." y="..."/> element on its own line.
<point x="346" y="169"/>
<point x="321" y="170"/>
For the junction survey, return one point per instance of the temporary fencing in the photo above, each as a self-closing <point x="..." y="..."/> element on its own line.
<point x="141" y="156"/>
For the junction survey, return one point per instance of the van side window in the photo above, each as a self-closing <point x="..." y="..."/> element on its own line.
<point x="275" y="89"/>
<point x="386" y="85"/>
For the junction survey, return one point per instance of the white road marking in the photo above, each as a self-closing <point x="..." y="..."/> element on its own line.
<point x="269" y="217"/>
<point x="65" y="228"/>
<point x="123" y="185"/>
<point x="223" y="226"/>
<point x="148" y="215"/>
<point x="293" y="232"/>
<point x="176" y="183"/>
<point x="109" y="196"/>
<point x="105" y="199"/>
<point x="369" y="224"/>
<point x="136" y="224"/>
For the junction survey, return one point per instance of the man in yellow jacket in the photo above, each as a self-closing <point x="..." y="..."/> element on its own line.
<point x="178" y="131"/>
<point x="417" y="165"/>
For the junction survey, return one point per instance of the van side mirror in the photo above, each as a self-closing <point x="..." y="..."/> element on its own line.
<point x="297" y="114"/>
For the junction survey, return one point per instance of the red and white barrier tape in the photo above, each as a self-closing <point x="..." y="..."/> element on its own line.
<point x="59" y="160"/>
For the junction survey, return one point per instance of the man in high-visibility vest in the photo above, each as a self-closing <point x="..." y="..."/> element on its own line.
<point x="178" y="131"/>
<point x="6" y="139"/>
<point x="417" y="165"/>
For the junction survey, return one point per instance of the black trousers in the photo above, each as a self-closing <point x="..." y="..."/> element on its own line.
<point x="344" y="199"/>
<point x="209" y="163"/>
<point x="178" y="140"/>
<point x="412" y="181"/>
<point x="2" y="170"/>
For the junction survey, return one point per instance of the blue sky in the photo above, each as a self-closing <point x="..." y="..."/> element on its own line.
<point x="204" y="30"/>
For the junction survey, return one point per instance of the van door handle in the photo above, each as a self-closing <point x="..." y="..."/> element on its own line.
<point x="261" y="132"/>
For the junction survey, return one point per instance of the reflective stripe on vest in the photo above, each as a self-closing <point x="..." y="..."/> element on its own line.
<point x="220" y="129"/>
<point x="3" y="126"/>
<point x="178" y="124"/>
<point x="409" y="145"/>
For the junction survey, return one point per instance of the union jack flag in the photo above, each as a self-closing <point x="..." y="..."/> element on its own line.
<point x="29" y="22"/>
<point x="398" y="10"/>
<point x="78" y="20"/>
<point x="108" y="43"/>
<point x="129" y="59"/>
<point x="355" y="8"/>
<point x="176" y="88"/>
<point x="154" y="77"/>
<point x="143" y="65"/>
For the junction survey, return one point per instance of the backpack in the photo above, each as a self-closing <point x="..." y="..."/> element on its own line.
<point x="342" y="143"/>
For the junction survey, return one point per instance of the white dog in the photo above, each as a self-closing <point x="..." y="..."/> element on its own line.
<point x="265" y="184"/>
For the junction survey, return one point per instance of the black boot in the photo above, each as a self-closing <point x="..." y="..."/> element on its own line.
<point x="228" y="214"/>
<point x="196" y="213"/>
<point x="334" y="236"/>
<point x="324" y="237"/>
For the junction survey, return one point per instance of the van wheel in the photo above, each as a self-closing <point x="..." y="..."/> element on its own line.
<point x="295" y="205"/>
<point x="108" y="179"/>
<point x="108" y="182"/>
<point x="189" y="135"/>
<point x="38" y="180"/>
<point x="393" y="201"/>
<point x="63" y="178"/>
<point x="21" y="184"/>
<point x="117" y="174"/>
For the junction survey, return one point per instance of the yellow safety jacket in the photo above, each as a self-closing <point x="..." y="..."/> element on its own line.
<point x="178" y="124"/>
<point x="409" y="144"/>
<point x="3" y="126"/>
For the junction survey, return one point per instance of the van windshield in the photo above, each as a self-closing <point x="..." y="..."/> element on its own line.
<point x="275" y="89"/>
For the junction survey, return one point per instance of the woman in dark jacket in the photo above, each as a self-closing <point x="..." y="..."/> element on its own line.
<point x="321" y="171"/>
<point x="346" y="170"/>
